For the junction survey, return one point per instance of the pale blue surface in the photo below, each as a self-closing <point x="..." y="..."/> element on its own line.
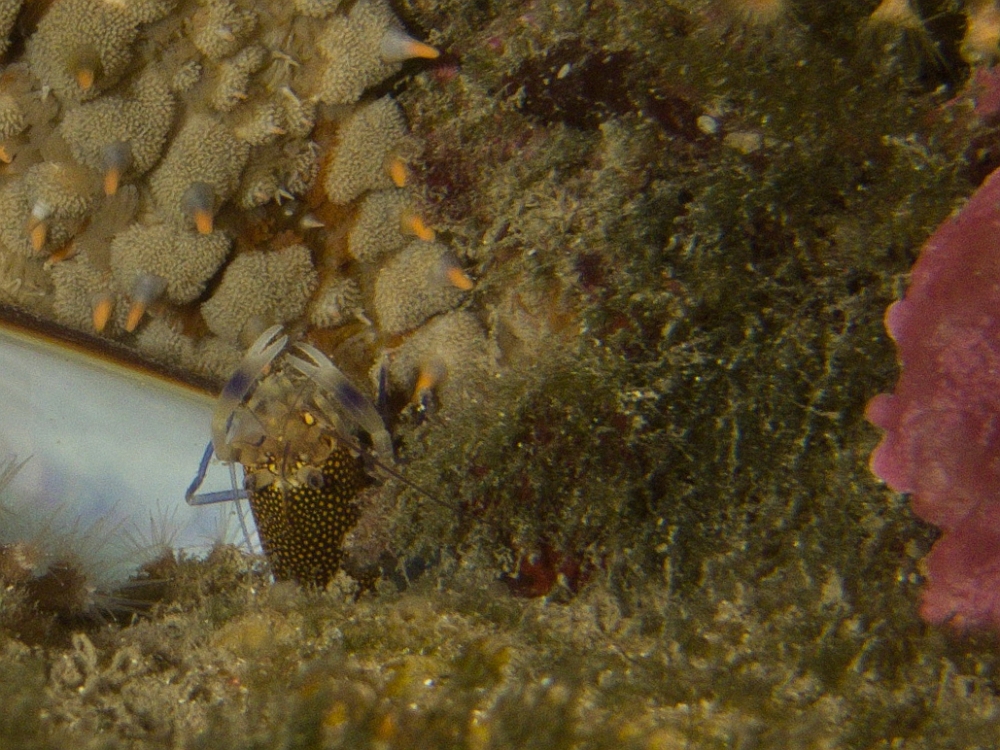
<point x="106" y="447"/>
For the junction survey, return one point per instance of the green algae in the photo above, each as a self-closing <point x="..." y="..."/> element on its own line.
<point x="677" y="459"/>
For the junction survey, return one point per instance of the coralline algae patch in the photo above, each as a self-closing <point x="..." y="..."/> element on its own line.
<point x="182" y="175"/>
<point x="940" y="422"/>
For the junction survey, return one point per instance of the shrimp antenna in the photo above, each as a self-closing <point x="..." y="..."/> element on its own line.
<point x="367" y="454"/>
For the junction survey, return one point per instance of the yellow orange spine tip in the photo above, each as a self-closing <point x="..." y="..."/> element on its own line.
<point x="112" y="179"/>
<point x="66" y="252"/>
<point x="5" y="154"/>
<point x="421" y="50"/>
<point x="135" y="313"/>
<point x="459" y="279"/>
<point x="37" y="232"/>
<point x="85" y="78"/>
<point x="102" y="312"/>
<point x="397" y="46"/>
<point x="398" y="172"/>
<point x="204" y="221"/>
<point x="414" y="225"/>
<point x="425" y="381"/>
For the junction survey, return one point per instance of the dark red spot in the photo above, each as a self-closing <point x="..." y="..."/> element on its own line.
<point x="676" y="114"/>
<point x="592" y="271"/>
<point x="537" y="574"/>
<point x="574" y="84"/>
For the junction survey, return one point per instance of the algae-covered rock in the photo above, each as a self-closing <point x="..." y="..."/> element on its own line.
<point x="650" y="522"/>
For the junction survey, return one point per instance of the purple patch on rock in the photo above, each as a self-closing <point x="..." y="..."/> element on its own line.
<point x="942" y="422"/>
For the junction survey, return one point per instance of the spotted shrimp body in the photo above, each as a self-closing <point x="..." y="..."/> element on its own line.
<point x="289" y="417"/>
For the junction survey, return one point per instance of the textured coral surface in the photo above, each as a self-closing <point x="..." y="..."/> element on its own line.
<point x="653" y="524"/>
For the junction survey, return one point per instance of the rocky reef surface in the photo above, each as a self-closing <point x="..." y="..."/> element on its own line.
<point x="644" y="333"/>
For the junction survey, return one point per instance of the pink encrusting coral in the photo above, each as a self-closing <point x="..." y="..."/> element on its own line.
<point x="942" y="423"/>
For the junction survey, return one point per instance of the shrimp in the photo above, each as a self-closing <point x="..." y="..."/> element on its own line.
<point x="290" y="419"/>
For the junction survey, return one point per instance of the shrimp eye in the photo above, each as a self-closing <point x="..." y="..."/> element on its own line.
<point x="314" y="479"/>
<point x="308" y="419"/>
